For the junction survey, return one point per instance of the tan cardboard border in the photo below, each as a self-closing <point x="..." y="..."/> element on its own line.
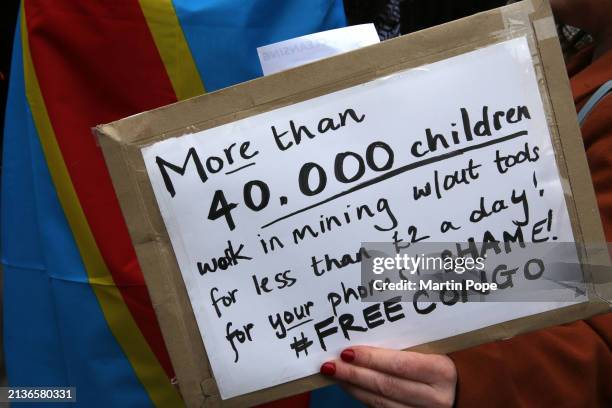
<point x="121" y="142"/>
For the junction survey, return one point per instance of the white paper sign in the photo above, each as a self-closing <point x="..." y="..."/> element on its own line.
<point x="313" y="47"/>
<point x="267" y="214"/>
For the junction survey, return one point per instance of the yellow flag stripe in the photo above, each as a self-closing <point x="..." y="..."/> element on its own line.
<point x="173" y="47"/>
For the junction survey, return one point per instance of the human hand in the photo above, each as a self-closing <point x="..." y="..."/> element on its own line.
<point x="384" y="378"/>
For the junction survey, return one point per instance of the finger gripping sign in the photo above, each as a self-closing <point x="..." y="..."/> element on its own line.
<point x="248" y="207"/>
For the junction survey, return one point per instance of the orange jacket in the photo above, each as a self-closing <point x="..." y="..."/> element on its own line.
<point x="568" y="365"/>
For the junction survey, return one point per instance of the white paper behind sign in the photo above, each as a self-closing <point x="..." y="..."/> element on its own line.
<point x="251" y="239"/>
<point x="313" y="47"/>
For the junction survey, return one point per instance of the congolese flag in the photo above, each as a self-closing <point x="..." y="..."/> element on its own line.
<point x="76" y="310"/>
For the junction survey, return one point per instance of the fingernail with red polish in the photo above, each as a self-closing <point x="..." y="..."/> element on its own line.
<point x="328" y="369"/>
<point x="348" y="355"/>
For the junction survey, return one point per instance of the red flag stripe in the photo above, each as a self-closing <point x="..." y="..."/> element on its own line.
<point x="97" y="62"/>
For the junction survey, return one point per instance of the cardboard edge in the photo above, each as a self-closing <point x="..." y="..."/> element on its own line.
<point x="168" y="294"/>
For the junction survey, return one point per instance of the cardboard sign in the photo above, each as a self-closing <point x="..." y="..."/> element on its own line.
<point x="248" y="207"/>
<point x="289" y="196"/>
